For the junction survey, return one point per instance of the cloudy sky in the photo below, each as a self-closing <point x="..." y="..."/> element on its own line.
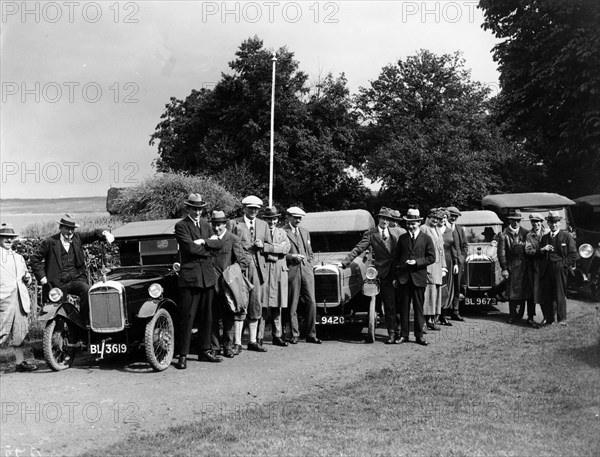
<point x="84" y="83"/>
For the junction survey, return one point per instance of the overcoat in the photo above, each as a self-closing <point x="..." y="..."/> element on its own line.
<point x="275" y="250"/>
<point x="422" y="251"/>
<point x="12" y="288"/>
<point x="435" y="273"/>
<point x="511" y="255"/>
<point x="532" y="249"/>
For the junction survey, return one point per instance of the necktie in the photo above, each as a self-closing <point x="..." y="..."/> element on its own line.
<point x="252" y="231"/>
<point x="383" y="235"/>
<point x="272" y="233"/>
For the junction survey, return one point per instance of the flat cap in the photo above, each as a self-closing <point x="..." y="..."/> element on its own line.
<point x="295" y="211"/>
<point x="252" y="201"/>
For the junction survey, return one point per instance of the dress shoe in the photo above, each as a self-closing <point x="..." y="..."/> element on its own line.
<point x="457" y="317"/>
<point x="510" y="320"/>
<point x="260" y="341"/>
<point x="432" y="326"/>
<point x="208" y="356"/>
<point x="236" y="349"/>
<point x="25" y="366"/>
<point x="422" y="342"/>
<point x="278" y="341"/>
<point x="532" y="323"/>
<point x="313" y="339"/>
<point x="228" y="352"/>
<point x="256" y="347"/>
<point x="181" y="363"/>
<point x="402" y="339"/>
<point x="444" y="321"/>
<point x="561" y="323"/>
<point x="293" y="340"/>
<point x="392" y="340"/>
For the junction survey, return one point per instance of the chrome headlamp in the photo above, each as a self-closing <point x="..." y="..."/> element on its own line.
<point x="155" y="290"/>
<point x="55" y="294"/>
<point x="371" y="273"/>
<point x="586" y="250"/>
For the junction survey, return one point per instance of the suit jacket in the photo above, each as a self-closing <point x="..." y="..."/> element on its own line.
<point x="46" y="260"/>
<point x="303" y="238"/>
<point x="257" y="265"/>
<point x="196" y="261"/>
<point x="275" y="250"/>
<point x="422" y="251"/>
<point x="565" y="252"/>
<point x="463" y="245"/>
<point x="511" y="256"/>
<point x="383" y="257"/>
<point x="12" y="287"/>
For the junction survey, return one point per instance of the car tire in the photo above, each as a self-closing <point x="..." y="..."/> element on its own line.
<point x="57" y="335"/>
<point x="372" y="323"/>
<point x="159" y="340"/>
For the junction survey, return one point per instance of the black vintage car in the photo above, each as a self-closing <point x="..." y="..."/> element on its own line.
<point x="586" y="219"/>
<point x="132" y="306"/>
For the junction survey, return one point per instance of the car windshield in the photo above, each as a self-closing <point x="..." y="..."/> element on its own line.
<point x="334" y="242"/>
<point x="148" y="252"/>
<point x="526" y="223"/>
<point x="481" y="233"/>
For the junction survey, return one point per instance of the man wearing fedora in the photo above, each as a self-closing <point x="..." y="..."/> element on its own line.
<point x="382" y="241"/>
<point x="197" y="279"/>
<point x="276" y="247"/>
<point x="453" y="214"/>
<point x="253" y="232"/>
<point x="532" y="249"/>
<point x="59" y="261"/>
<point x="231" y="252"/>
<point x="301" y="284"/>
<point x="560" y="254"/>
<point x="515" y="268"/>
<point x="414" y="253"/>
<point x="15" y="303"/>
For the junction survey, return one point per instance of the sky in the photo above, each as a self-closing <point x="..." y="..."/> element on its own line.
<point x="84" y="83"/>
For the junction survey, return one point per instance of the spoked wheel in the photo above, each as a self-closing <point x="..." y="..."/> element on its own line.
<point x="159" y="340"/>
<point x="372" y="324"/>
<point x="57" y="336"/>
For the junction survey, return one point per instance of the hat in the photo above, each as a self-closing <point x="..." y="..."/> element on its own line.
<point x="553" y="216"/>
<point x="515" y="214"/>
<point x="295" y="211"/>
<point x="453" y="210"/>
<point x="435" y="212"/>
<point x="252" y="201"/>
<point x="396" y="215"/>
<point x="68" y="221"/>
<point x="536" y="217"/>
<point x="413" y="215"/>
<point x="195" y="200"/>
<point x="218" y="217"/>
<point x="385" y="212"/>
<point x="270" y="213"/>
<point x="488" y="232"/>
<point x="7" y="230"/>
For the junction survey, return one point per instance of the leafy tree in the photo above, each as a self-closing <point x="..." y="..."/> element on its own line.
<point x="225" y="132"/>
<point x="549" y="62"/>
<point x="430" y="138"/>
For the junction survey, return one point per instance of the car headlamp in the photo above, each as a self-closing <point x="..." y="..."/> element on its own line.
<point x="55" y="294"/>
<point x="155" y="290"/>
<point x="371" y="273"/>
<point x="586" y="250"/>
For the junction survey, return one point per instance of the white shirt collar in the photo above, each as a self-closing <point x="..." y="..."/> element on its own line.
<point x="222" y="234"/>
<point x="250" y="223"/>
<point x="196" y="222"/>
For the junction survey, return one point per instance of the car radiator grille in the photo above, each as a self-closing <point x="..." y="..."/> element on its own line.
<point x="106" y="310"/>
<point x="326" y="288"/>
<point x="480" y="274"/>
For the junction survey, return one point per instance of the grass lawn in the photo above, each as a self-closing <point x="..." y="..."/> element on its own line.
<point x="532" y="392"/>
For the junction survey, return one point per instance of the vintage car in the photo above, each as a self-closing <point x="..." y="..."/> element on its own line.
<point x="481" y="276"/>
<point x="586" y="220"/>
<point x="338" y="291"/>
<point x="132" y="306"/>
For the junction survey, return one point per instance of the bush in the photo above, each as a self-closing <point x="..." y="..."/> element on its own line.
<point x="49" y="228"/>
<point x="162" y="197"/>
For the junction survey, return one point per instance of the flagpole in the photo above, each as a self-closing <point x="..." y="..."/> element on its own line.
<point x="274" y="60"/>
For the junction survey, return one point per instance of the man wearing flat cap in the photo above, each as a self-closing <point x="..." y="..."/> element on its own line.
<point x="59" y="261"/>
<point x="515" y="268"/>
<point x="560" y="254"/>
<point x="253" y="233"/>
<point x="197" y="279"/>
<point x="532" y="249"/>
<point x="15" y="303"/>
<point x="382" y="241"/>
<point x="301" y="279"/>
<point x="453" y="215"/>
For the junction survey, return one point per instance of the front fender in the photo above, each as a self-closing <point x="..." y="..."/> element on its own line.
<point x="150" y="307"/>
<point x="66" y="310"/>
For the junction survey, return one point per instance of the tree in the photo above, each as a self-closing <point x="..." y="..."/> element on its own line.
<point x="225" y="132"/>
<point x="430" y="138"/>
<point x="549" y="62"/>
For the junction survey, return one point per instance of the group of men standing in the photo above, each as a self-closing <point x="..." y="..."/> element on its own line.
<point x="258" y="270"/>
<point x="535" y="265"/>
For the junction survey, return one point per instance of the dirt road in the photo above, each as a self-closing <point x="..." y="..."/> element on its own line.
<point x="92" y="405"/>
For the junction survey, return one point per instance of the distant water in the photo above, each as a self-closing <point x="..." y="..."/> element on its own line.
<point x="23" y="211"/>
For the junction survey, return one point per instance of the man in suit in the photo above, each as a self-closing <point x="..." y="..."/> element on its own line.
<point x="382" y="241"/>
<point x="453" y="215"/>
<point x="253" y="233"/>
<point x="301" y="285"/>
<point x="59" y="261"/>
<point x="532" y="249"/>
<point x="414" y="253"/>
<point x="231" y="252"/>
<point x="197" y="280"/>
<point x="560" y="254"/>
<point x="15" y="304"/>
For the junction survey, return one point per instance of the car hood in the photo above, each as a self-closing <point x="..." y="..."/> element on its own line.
<point x="129" y="275"/>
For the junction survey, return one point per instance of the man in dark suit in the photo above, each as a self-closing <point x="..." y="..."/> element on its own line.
<point x="253" y="233"/>
<point x="59" y="261"/>
<point x="301" y="285"/>
<point x="382" y="241"/>
<point x="414" y="252"/>
<point x="231" y="252"/>
<point x="453" y="215"/>
<point x="560" y="254"/>
<point x="197" y="280"/>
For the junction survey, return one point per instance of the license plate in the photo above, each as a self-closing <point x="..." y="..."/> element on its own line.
<point x="102" y="349"/>
<point x="480" y="301"/>
<point x="330" y="320"/>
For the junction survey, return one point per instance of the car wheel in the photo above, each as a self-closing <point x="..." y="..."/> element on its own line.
<point x="372" y="324"/>
<point x="159" y="340"/>
<point x="57" y="336"/>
